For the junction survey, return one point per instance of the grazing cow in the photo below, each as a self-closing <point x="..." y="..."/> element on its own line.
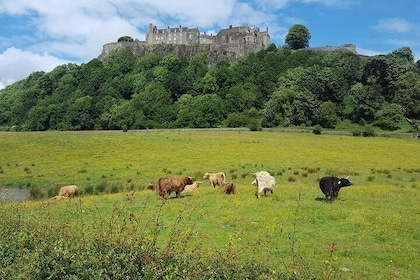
<point x="68" y="191"/>
<point x="215" y="178"/>
<point x="330" y="186"/>
<point x="230" y="188"/>
<point x="264" y="182"/>
<point x="166" y="185"/>
<point x="151" y="187"/>
<point x="191" y="188"/>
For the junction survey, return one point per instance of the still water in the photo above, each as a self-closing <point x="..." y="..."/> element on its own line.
<point x="11" y="195"/>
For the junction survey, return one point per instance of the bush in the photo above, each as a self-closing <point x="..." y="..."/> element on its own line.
<point x="36" y="192"/>
<point x="254" y="125"/>
<point x="356" y="132"/>
<point x="317" y="129"/>
<point x="236" y="120"/>
<point x="368" y="131"/>
<point x="34" y="249"/>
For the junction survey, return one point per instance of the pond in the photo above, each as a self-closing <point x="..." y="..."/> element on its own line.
<point x="10" y="195"/>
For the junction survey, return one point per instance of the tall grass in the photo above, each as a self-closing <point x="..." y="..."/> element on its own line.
<point x="124" y="243"/>
<point x="370" y="232"/>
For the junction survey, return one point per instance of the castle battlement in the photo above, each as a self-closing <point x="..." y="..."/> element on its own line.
<point x="228" y="44"/>
<point x="240" y="39"/>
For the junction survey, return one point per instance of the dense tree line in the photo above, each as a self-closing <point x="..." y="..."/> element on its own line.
<point x="276" y="87"/>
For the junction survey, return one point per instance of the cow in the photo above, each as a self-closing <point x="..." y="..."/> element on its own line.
<point x="191" y="188"/>
<point x="166" y="185"/>
<point x="151" y="186"/>
<point x="229" y="188"/>
<point x="68" y="191"/>
<point x="264" y="182"/>
<point x="215" y="178"/>
<point x="330" y="186"/>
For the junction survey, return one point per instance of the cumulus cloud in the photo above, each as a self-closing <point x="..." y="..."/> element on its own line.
<point x="342" y="4"/>
<point x="75" y="31"/>
<point x="398" y="25"/>
<point x="17" y="65"/>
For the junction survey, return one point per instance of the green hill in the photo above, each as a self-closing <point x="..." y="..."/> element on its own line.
<point x="276" y="87"/>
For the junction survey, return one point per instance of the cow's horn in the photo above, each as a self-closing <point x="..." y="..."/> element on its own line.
<point x="347" y="177"/>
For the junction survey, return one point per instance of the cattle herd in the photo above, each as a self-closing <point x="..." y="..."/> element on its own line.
<point x="330" y="186"/>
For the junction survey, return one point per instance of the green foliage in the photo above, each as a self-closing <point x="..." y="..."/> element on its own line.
<point x="317" y="129"/>
<point x="236" y="120"/>
<point x="287" y="88"/>
<point x="389" y="117"/>
<point x="208" y="234"/>
<point x="298" y="37"/>
<point x="327" y="115"/>
<point x="368" y="131"/>
<point x="254" y="124"/>
<point x="125" y="39"/>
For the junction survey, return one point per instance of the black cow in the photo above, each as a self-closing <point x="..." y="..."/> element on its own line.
<point x="330" y="186"/>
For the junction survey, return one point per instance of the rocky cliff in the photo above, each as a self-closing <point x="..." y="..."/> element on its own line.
<point x="140" y="49"/>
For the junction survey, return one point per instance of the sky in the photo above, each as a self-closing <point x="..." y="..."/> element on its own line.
<point x="38" y="35"/>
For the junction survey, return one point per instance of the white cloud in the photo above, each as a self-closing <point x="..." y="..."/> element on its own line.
<point x="17" y="65"/>
<point x="398" y="25"/>
<point x="368" y="52"/>
<point x="333" y="3"/>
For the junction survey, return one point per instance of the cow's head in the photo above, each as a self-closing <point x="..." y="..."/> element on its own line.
<point x="344" y="182"/>
<point x="255" y="182"/>
<point x="190" y="180"/>
<point x="206" y="175"/>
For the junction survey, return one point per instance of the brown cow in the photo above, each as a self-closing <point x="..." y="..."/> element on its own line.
<point x="151" y="187"/>
<point x="230" y="188"/>
<point x="166" y="185"/>
<point x="215" y="178"/>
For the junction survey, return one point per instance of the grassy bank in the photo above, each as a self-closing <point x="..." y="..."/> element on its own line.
<point x="370" y="232"/>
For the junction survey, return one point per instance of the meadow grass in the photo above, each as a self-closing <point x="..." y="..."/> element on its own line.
<point x="370" y="232"/>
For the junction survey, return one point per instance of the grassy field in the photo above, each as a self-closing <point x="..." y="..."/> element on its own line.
<point x="370" y="232"/>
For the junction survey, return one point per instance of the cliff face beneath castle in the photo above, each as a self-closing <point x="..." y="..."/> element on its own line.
<point x="213" y="52"/>
<point x="140" y="49"/>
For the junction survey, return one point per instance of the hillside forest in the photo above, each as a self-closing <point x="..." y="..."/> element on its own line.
<point x="276" y="87"/>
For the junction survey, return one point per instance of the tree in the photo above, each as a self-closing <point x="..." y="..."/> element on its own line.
<point x="199" y="111"/>
<point x="327" y="115"/>
<point x="278" y="110"/>
<point x="156" y="104"/>
<point x="298" y="37"/>
<point x="389" y="116"/>
<point x="125" y="39"/>
<point x="408" y="94"/>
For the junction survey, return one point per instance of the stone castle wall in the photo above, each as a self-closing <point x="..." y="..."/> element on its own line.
<point x="228" y="45"/>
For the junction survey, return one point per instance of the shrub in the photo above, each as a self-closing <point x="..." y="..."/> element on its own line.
<point x="36" y="192"/>
<point x="236" y="120"/>
<point x="317" y="129"/>
<point x="119" y="247"/>
<point x="89" y="189"/>
<point x="368" y="131"/>
<point x="254" y="125"/>
<point x="356" y="132"/>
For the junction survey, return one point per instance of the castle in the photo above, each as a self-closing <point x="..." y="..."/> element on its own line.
<point x="240" y="39"/>
<point x="228" y="44"/>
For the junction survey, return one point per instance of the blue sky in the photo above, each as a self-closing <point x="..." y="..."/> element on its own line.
<point x="38" y="35"/>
